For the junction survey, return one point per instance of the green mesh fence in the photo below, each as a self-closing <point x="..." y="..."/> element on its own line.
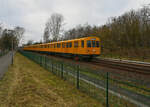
<point x="111" y="89"/>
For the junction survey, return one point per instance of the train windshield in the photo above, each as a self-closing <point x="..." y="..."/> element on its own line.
<point x="88" y="43"/>
<point x="97" y="43"/>
<point x="82" y="43"/>
<point x="93" y="43"/>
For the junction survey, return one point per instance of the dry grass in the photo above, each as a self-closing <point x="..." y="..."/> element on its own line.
<point x="27" y="84"/>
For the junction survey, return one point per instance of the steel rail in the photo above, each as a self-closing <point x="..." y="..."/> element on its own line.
<point x="130" y="67"/>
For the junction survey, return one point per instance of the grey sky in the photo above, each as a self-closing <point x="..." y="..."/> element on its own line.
<point x="33" y="14"/>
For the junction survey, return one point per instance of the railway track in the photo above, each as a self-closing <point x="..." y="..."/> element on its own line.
<point x="143" y="69"/>
<point x="127" y="66"/>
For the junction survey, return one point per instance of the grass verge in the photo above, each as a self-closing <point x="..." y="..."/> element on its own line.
<point x="27" y="84"/>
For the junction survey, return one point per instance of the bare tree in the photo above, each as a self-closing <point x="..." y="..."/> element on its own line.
<point x="46" y="34"/>
<point x="1" y="29"/>
<point x="54" y="26"/>
<point x="19" y="31"/>
<point x="30" y="42"/>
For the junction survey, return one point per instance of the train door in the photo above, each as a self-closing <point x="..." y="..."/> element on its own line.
<point x="63" y="47"/>
<point x="82" y="48"/>
<point x="67" y="47"/>
<point x="89" y="46"/>
<point x="76" y="44"/>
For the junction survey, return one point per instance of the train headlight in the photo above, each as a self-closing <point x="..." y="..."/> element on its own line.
<point x="94" y="50"/>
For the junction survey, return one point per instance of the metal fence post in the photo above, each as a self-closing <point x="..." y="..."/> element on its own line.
<point x="77" y="76"/>
<point x="55" y="68"/>
<point x="12" y="53"/>
<point x="107" y="104"/>
<point x="45" y="62"/>
<point x="12" y="60"/>
<point x="41" y="60"/>
<point x="52" y="66"/>
<point x="62" y="70"/>
<point x="38" y="59"/>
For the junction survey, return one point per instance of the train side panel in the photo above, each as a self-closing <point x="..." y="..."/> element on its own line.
<point x="84" y="46"/>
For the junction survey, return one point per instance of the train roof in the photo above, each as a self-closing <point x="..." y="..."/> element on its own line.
<point x="64" y="41"/>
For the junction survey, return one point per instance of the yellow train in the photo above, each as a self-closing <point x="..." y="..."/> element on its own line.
<point x="82" y="47"/>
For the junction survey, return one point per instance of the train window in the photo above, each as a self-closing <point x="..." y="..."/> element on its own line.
<point x="58" y="45"/>
<point x="63" y="45"/>
<point x="67" y="45"/>
<point x="88" y="43"/>
<point x="70" y="44"/>
<point x="75" y="44"/>
<point x="97" y="43"/>
<point x="82" y="43"/>
<point x="93" y="43"/>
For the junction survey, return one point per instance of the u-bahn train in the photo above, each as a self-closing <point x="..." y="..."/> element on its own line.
<point x="88" y="47"/>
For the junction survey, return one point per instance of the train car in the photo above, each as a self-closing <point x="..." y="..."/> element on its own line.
<point x="88" y="47"/>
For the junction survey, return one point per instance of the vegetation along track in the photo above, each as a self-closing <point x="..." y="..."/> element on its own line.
<point x="142" y="69"/>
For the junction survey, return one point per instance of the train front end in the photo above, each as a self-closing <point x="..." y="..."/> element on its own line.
<point x="93" y="47"/>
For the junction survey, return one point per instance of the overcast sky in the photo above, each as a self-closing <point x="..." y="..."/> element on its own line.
<point x="33" y="14"/>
